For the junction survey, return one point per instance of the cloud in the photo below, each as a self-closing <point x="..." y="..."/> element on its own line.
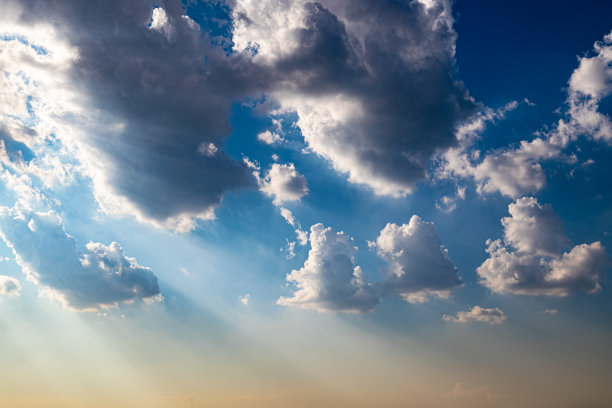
<point x="510" y="171"/>
<point x="302" y="236"/>
<point x="269" y="137"/>
<point x="99" y="277"/>
<point x="372" y="83"/>
<point x="478" y="314"/>
<point x="588" y="85"/>
<point x="419" y="266"/>
<point x="329" y="281"/>
<point x="531" y="261"/>
<point x="283" y="183"/>
<point x="9" y="286"/>
<point x="140" y="109"/>
<point x="447" y="204"/>
<point x="549" y="311"/>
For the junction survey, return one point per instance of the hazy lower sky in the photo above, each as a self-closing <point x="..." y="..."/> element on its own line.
<point x="282" y="203"/>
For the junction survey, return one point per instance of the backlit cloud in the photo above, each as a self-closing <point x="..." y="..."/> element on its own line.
<point x="99" y="277"/>
<point x="329" y="281"/>
<point x="419" y="265"/>
<point x="531" y="258"/>
<point x="478" y="314"/>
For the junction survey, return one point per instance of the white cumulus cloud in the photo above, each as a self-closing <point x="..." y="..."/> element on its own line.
<point x="530" y="260"/>
<point x="329" y="281"/>
<point x="283" y="183"/>
<point x="419" y="265"/>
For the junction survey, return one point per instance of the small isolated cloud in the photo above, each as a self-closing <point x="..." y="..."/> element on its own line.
<point x="302" y="236"/>
<point x="530" y="259"/>
<point x="100" y="277"/>
<point x="329" y="281"/>
<point x="269" y="137"/>
<point x="9" y="286"/>
<point x="549" y="311"/>
<point x="245" y="299"/>
<point x="288" y="216"/>
<point x="466" y="396"/>
<point x="283" y="183"/>
<point x="419" y="266"/>
<point x="447" y="204"/>
<point x="478" y="314"/>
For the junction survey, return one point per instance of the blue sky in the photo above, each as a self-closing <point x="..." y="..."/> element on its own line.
<point x="344" y="203"/>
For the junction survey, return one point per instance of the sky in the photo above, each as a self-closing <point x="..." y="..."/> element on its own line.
<point x="344" y="203"/>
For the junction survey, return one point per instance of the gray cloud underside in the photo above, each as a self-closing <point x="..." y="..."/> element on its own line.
<point x="155" y="93"/>
<point x="101" y="276"/>
<point x="394" y="62"/>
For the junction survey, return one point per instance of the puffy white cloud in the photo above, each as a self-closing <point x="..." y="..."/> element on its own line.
<point x="478" y="314"/>
<point x="511" y="171"/>
<point x="419" y="265"/>
<point x="329" y="281"/>
<point x="269" y="137"/>
<point x="371" y="82"/>
<point x="588" y="85"/>
<point x="531" y="261"/>
<point x="283" y="183"/>
<point x="9" y="286"/>
<point x="99" y="277"/>
<point x="534" y="228"/>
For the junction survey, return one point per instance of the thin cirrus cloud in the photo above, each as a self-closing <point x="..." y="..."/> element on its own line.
<point x="419" y="268"/>
<point x="532" y="258"/>
<point x="100" y="277"/>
